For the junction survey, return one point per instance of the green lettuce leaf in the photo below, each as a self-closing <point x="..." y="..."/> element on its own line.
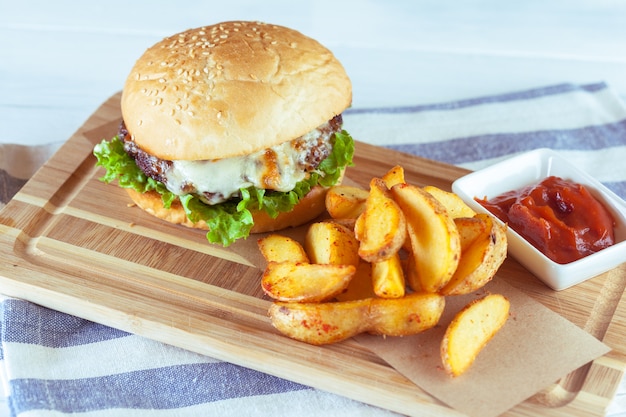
<point x="231" y="220"/>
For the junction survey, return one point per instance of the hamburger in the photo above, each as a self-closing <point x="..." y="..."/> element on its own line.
<point x="234" y="128"/>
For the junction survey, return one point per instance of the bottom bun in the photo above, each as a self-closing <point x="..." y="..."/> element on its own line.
<point x="309" y="207"/>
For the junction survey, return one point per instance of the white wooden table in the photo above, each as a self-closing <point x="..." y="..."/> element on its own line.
<point x="59" y="60"/>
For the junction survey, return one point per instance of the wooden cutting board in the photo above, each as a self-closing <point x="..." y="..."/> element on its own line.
<point x="73" y="244"/>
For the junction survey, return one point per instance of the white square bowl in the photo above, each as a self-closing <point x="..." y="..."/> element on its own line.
<point x="530" y="168"/>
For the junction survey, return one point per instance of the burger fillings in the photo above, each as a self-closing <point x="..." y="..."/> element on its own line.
<point x="211" y="115"/>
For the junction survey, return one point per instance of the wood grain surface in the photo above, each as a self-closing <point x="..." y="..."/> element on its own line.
<point x="71" y="243"/>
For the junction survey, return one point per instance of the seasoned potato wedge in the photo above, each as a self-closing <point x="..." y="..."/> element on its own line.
<point x="360" y="286"/>
<point x="323" y="323"/>
<point x="320" y="323"/>
<point x="381" y="228"/>
<point x="411" y="273"/>
<point x="278" y="248"/>
<point x="470" y="228"/>
<point x="300" y="282"/>
<point x="345" y="201"/>
<point x="331" y="243"/>
<point x="411" y="314"/>
<point x="435" y="241"/>
<point x="394" y="176"/>
<point x="388" y="278"/>
<point x="480" y="258"/>
<point x="453" y="203"/>
<point x="470" y="330"/>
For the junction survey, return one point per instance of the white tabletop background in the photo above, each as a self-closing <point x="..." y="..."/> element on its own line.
<point x="60" y="59"/>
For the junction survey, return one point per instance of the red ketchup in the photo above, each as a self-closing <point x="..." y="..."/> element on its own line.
<point x="558" y="217"/>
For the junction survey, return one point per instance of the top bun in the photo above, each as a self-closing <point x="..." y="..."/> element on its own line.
<point x="231" y="89"/>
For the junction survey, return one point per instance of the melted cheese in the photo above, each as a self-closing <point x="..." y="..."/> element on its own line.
<point x="215" y="181"/>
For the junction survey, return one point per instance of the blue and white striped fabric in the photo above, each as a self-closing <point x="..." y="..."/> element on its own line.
<point x="54" y="364"/>
<point x="584" y="123"/>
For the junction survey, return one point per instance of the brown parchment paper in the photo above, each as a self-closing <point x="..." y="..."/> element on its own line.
<point x="534" y="349"/>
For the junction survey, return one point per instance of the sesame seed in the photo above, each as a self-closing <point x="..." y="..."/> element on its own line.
<point x="219" y="114"/>
<point x="139" y="122"/>
<point x="177" y="122"/>
<point x="190" y="113"/>
<point x="161" y="80"/>
<point x="253" y="76"/>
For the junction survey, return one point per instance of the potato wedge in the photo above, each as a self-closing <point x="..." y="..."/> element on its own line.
<point x="360" y="286"/>
<point x="383" y="229"/>
<point x="301" y="282"/>
<point x="331" y="243"/>
<point x="480" y="259"/>
<point x="345" y="201"/>
<point x="411" y="314"/>
<point x="394" y="176"/>
<point x="320" y="323"/>
<point x="470" y="228"/>
<point x="453" y="203"/>
<point x="323" y="323"/>
<point x="470" y="330"/>
<point x="388" y="278"/>
<point x="411" y="273"/>
<point x="278" y="248"/>
<point x="435" y="241"/>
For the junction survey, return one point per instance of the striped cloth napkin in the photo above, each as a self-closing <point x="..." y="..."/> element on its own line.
<point x="54" y="364"/>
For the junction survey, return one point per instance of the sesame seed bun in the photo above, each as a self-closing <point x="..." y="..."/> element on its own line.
<point x="231" y="89"/>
